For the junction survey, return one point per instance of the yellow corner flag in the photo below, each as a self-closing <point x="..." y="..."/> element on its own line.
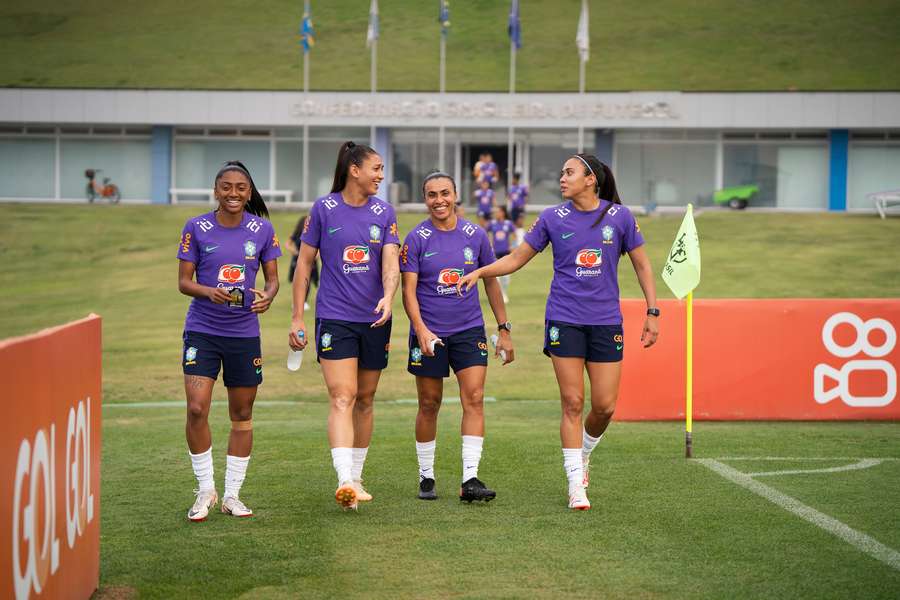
<point x="682" y="270"/>
<point x="682" y="274"/>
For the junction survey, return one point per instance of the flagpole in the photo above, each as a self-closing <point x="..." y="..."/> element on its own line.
<point x="581" y="92"/>
<point x="512" y="90"/>
<point x="305" y="174"/>
<point x="443" y="88"/>
<point x="374" y="80"/>
<point x="689" y="379"/>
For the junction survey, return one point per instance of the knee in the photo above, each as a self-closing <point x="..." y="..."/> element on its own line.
<point x="242" y="413"/>
<point x="604" y="411"/>
<point x="572" y="406"/>
<point x="473" y="402"/>
<point x="343" y="401"/>
<point x="196" y="412"/>
<point x="429" y="406"/>
<point x="364" y="404"/>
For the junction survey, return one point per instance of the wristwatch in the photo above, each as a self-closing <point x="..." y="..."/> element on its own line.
<point x="653" y="312"/>
<point x="507" y="326"/>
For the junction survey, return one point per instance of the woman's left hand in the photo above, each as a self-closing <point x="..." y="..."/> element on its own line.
<point x="651" y="331"/>
<point x="504" y="344"/>
<point x="262" y="302"/>
<point x="383" y="307"/>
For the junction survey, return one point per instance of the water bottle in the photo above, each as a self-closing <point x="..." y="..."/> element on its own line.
<point x="295" y="357"/>
<point x="434" y="343"/>
<point x="494" y="339"/>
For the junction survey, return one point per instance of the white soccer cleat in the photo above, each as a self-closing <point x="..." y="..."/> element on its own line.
<point x="234" y="507"/>
<point x="206" y="499"/>
<point x="586" y="467"/>
<point x="361" y="494"/>
<point x="346" y="496"/>
<point x="578" y="499"/>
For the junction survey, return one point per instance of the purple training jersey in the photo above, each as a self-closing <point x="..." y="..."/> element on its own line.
<point x="441" y="258"/>
<point x="489" y="171"/>
<point x="485" y="200"/>
<point x="227" y="257"/>
<point x="517" y="195"/>
<point x="350" y="240"/>
<point x="585" y="287"/>
<point x="500" y="232"/>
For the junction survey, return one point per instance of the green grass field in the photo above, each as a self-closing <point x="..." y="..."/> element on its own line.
<point x="661" y="526"/>
<point x="689" y="45"/>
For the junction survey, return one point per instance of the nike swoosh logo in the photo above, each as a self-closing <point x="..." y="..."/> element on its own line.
<point x="566" y="236"/>
<point x="194" y="512"/>
<point x="210" y="248"/>
<point x="331" y="230"/>
<point x="619" y="346"/>
<point x="430" y="254"/>
<point x="258" y="371"/>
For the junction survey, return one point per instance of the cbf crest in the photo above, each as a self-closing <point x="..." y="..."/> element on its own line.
<point x="607" y="234"/>
<point x="374" y="234"/>
<point x="249" y="249"/>
<point x="469" y="255"/>
<point x="554" y="335"/>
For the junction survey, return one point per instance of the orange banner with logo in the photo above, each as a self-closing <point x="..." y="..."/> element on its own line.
<point x="790" y="359"/>
<point x="50" y="463"/>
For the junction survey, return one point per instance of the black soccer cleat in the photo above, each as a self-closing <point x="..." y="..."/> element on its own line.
<point x="426" y="489"/>
<point x="474" y="491"/>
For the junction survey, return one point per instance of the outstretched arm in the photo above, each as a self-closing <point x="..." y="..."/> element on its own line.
<point x="510" y="263"/>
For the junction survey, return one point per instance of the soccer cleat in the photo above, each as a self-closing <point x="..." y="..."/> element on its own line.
<point x="585" y="466"/>
<point x="234" y="507"/>
<point x="578" y="499"/>
<point x="346" y="496"/>
<point x="426" y="489"/>
<point x="206" y="499"/>
<point x="361" y="494"/>
<point x="473" y="490"/>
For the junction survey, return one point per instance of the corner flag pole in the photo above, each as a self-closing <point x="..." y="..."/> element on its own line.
<point x="689" y="378"/>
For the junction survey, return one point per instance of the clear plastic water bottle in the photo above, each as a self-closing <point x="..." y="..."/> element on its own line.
<point x="494" y="339"/>
<point x="295" y="357"/>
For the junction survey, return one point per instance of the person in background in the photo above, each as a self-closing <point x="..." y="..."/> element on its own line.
<point x="293" y="246"/>
<point x="500" y="230"/>
<point x="517" y="198"/>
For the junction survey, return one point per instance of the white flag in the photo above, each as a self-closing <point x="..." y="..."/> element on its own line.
<point x="582" y="38"/>
<point x="372" y="32"/>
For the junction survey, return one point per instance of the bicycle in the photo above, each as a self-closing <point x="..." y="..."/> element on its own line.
<point x="106" y="190"/>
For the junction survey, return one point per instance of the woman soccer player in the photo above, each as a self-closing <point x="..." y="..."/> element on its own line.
<point x="293" y="246"/>
<point x="583" y="327"/>
<point x="485" y="197"/>
<point x="517" y="197"/>
<point x="501" y="229"/>
<point x="223" y="250"/>
<point x="356" y="235"/>
<point x="447" y="330"/>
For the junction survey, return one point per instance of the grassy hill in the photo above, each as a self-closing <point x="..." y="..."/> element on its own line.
<point x="691" y="45"/>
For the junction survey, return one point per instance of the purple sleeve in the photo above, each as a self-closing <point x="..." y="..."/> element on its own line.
<point x="393" y="235"/>
<point x="271" y="247"/>
<point x="537" y="236"/>
<point x="187" y="249"/>
<point x="632" y="237"/>
<point x="485" y="252"/>
<point x="312" y="229"/>
<point x="409" y="254"/>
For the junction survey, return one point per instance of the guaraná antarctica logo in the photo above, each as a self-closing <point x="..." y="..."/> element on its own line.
<point x="231" y="274"/>
<point x="355" y="258"/>
<point x="588" y="261"/>
<point x="447" y="280"/>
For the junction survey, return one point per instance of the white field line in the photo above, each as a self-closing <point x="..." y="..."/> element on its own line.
<point x="182" y="404"/>
<point x="855" y="538"/>
<point x="796" y="458"/>
<point x="864" y="463"/>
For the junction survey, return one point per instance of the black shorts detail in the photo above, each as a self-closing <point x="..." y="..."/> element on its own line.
<point x="239" y="358"/>
<point x="467" y="348"/>
<point x="515" y="213"/>
<point x="336" y="340"/>
<point x="485" y="214"/>
<point x="593" y="343"/>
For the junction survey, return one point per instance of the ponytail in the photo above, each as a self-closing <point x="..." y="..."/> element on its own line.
<point x="605" y="187"/>
<point x="256" y="205"/>
<point x="349" y="154"/>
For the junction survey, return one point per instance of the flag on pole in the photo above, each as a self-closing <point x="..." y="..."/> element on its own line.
<point x="444" y="16"/>
<point x="515" y="28"/>
<point x="682" y="270"/>
<point x="372" y="32"/>
<point x="307" y="33"/>
<point x="582" y="38"/>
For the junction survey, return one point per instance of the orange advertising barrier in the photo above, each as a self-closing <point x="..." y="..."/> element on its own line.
<point x="791" y="359"/>
<point x="50" y="453"/>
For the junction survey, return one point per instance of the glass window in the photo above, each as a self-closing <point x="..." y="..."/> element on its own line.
<point x="26" y="168"/>
<point x="126" y="163"/>
<point x="873" y="168"/>
<point x="665" y="173"/>
<point x="788" y="175"/>
<point x="289" y="168"/>
<point x="198" y="161"/>
<point x="415" y="154"/>
<point x="548" y="151"/>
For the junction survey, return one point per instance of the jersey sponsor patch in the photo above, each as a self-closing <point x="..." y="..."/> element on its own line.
<point x="231" y="273"/>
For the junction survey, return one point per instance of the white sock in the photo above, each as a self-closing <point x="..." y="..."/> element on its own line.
<point x="504" y="283"/>
<point x="471" y="455"/>
<point x="342" y="458"/>
<point x="588" y="444"/>
<point x="520" y="235"/>
<point x="572" y="466"/>
<point x="359" y="460"/>
<point x="235" y="471"/>
<point x="425" y="452"/>
<point x="203" y="469"/>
